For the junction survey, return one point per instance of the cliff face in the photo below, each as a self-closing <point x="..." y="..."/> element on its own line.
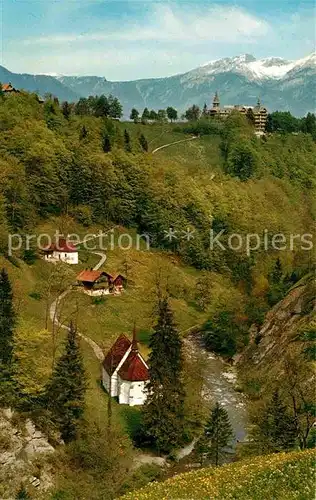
<point x="22" y="457"/>
<point x="277" y="338"/>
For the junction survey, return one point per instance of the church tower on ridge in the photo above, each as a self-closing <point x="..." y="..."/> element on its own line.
<point x="216" y="103"/>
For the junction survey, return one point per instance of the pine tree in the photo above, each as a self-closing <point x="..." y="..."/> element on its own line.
<point x="102" y="106"/>
<point x="7" y="320"/>
<point x="65" y="391"/>
<point x="8" y="385"/>
<point x="153" y="115"/>
<point x="145" y="115"/>
<point x="217" y="435"/>
<point x="143" y="142"/>
<point x="163" y="412"/>
<point x="66" y="109"/>
<point x="134" y="115"/>
<point x="106" y="143"/>
<point x="276" y="430"/>
<point x="83" y="133"/>
<point x="205" y="110"/>
<point x="127" y="142"/>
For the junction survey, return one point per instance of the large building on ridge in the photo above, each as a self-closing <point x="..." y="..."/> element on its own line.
<point x="260" y="113"/>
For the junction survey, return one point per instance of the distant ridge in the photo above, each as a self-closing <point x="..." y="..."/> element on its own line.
<point x="281" y="84"/>
<point x="41" y="84"/>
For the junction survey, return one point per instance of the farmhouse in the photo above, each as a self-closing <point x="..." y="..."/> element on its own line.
<point x="7" y="88"/>
<point x="63" y="251"/>
<point x="125" y="372"/>
<point x="95" y="283"/>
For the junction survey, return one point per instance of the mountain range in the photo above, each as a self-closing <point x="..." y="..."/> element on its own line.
<point x="281" y="85"/>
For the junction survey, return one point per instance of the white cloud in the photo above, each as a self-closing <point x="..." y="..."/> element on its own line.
<point x="170" y="39"/>
<point x="112" y="63"/>
<point x="166" y="24"/>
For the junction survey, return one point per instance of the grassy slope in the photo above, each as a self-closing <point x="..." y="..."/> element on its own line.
<point x="283" y="476"/>
<point x="102" y="322"/>
<point x="253" y="205"/>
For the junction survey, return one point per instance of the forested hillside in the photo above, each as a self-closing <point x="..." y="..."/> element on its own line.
<point x="84" y="172"/>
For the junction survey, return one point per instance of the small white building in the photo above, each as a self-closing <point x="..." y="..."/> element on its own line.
<point x="125" y="372"/>
<point x="63" y="251"/>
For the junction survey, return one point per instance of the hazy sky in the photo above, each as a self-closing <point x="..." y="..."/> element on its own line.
<point x="125" y="40"/>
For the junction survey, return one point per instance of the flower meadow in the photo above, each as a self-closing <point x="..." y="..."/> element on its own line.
<point x="282" y="476"/>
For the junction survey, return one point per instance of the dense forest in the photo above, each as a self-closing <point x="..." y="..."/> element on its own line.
<point x="80" y="163"/>
<point x="87" y="165"/>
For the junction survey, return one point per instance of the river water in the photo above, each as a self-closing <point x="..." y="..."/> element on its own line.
<point x="220" y="381"/>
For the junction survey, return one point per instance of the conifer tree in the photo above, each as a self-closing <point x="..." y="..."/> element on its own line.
<point x="143" y="142"/>
<point x="66" y="109"/>
<point x="145" y="115"/>
<point x="83" y="133"/>
<point x="10" y="393"/>
<point x="216" y="437"/>
<point x="7" y="320"/>
<point x="106" y="143"/>
<point x="163" y="412"/>
<point x="205" y="110"/>
<point x="7" y="324"/>
<point x="134" y="115"/>
<point x="276" y="429"/>
<point x="153" y="115"/>
<point x="65" y="391"/>
<point x="127" y="142"/>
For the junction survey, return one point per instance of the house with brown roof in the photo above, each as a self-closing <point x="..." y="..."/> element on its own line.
<point x="7" y="88"/>
<point x="63" y="251"/>
<point x="125" y="372"/>
<point x="95" y="283"/>
<point x="118" y="284"/>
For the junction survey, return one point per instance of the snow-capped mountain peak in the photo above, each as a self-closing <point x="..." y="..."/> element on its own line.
<point x="254" y="69"/>
<point x="271" y="67"/>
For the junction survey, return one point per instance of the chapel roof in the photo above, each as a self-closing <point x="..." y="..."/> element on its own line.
<point x="134" y="368"/>
<point x="116" y="354"/>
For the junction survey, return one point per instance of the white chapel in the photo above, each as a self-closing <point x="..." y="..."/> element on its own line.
<point x="125" y="372"/>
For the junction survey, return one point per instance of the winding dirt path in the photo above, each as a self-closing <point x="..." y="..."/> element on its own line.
<point x="172" y="143"/>
<point x="53" y="312"/>
<point x="141" y="458"/>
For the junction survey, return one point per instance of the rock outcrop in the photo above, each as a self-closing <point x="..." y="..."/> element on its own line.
<point x="270" y="344"/>
<point x="23" y="449"/>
